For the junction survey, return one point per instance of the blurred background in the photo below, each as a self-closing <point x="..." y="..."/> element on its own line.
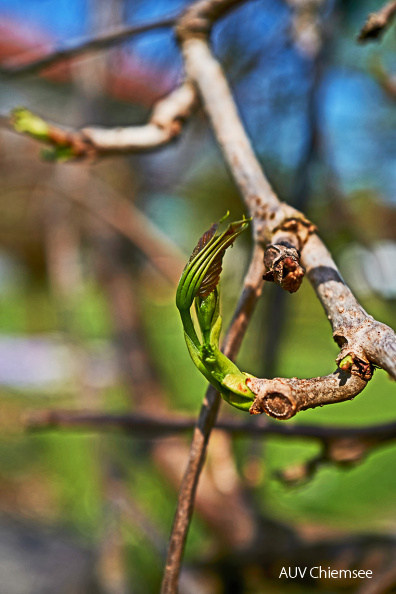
<point x="88" y="322"/>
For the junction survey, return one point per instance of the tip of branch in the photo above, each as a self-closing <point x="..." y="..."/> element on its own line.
<point x="26" y="122"/>
<point x="283" y="267"/>
<point x="376" y="24"/>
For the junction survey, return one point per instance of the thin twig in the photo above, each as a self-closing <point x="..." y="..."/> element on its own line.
<point x="386" y="80"/>
<point x="21" y="64"/>
<point x="146" y="425"/>
<point x="378" y="22"/>
<point x="165" y="125"/>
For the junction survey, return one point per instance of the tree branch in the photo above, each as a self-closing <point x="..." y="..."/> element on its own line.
<point x="283" y="398"/>
<point x="341" y="445"/>
<point x="386" y="81"/>
<point x="206" y="420"/>
<point x="356" y="332"/>
<point x="17" y="65"/>
<point x="363" y="340"/>
<point x="377" y="23"/>
<point x="269" y="217"/>
<point x="165" y="124"/>
<point x="217" y="101"/>
<point x="147" y="425"/>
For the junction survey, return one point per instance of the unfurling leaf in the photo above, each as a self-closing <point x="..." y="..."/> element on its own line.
<point x="202" y="272"/>
<point x="199" y="281"/>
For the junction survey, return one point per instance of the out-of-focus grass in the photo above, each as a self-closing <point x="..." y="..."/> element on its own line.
<point x="184" y="385"/>
<point x="60" y="477"/>
<point x="36" y="312"/>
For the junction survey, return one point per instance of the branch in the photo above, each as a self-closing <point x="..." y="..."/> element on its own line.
<point x="361" y="337"/>
<point x="165" y="124"/>
<point x="139" y="424"/>
<point x="383" y="78"/>
<point x="377" y="23"/>
<point x="17" y="65"/>
<point x="363" y="340"/>
<point x="341" y="445"/>
<point x="147" y="425"/>
<point x="206" y="421"/>
<point x="269" y="216"/>
<point x="283" y="398"/>
<point x="206" y="72"/>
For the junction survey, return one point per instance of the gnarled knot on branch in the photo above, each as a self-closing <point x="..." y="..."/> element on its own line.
<point x="282" y="263"/>
<point x="282" y="255"/>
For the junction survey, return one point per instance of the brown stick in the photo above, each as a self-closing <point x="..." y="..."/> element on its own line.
<point x="17" y="65"/>
<point x="378" y="22"/>
<point x="207" y="418"/>
<point x="165" y="124"/>
<point x="145" y="425"/>
<point x="283" y="398"/>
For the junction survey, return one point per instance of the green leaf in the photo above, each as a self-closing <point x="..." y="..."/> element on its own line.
<point x="199" y="281"/>
<point x="26" y="122"/>
<point x="59" y="154"/>
<point x="202" y="272"/>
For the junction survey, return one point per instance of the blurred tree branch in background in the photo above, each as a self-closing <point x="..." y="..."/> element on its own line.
<point x="23" y="65"/>
<point x="165" y="125"/>
<point x="378" y="22"/>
